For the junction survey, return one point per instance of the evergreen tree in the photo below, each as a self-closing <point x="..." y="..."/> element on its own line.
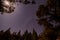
<point x="25" y="35"/>
<point x="34" y="35"/>
<point x="1" y="35"/>
<point x="19" y="36"/>
<point x="29" y="36"/>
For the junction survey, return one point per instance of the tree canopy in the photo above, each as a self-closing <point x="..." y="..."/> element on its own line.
<point x="49" y="16"/>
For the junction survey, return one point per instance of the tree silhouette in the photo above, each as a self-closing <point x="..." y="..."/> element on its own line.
<point x="49" y="16"/>
<point x="7" y="35"/>
<point x="34" y="35"/>
<point x="29" y="36"/>
<point x="33" y="2"/>
<point x="25" y="35"/>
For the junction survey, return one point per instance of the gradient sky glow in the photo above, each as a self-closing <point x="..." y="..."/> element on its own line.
<point x="23" y="18"/>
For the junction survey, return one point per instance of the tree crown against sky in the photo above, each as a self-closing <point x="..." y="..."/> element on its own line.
<point x="49" y="16"/>
<point x="7" y="35"/>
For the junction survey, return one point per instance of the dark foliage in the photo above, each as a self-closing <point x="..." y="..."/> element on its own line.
<point x="7" y="35"/>
<point x="49" y="16"/>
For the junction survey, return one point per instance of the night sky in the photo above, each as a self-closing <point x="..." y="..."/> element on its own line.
<point x="23" y="18"/>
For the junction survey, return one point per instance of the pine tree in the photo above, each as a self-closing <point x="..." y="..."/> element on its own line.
<point x="19" y="36"/>
<point x="34" y="35"/>
<point x="25" y="36"/>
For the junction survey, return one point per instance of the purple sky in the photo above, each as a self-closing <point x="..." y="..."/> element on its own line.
<point x="23" y="18"/>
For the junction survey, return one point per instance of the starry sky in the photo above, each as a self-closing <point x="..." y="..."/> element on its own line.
<point x="23" y="18"/>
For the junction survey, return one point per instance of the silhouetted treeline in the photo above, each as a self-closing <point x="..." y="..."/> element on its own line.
<point x="46" y="35"/>
<point x="7" y="35"/>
